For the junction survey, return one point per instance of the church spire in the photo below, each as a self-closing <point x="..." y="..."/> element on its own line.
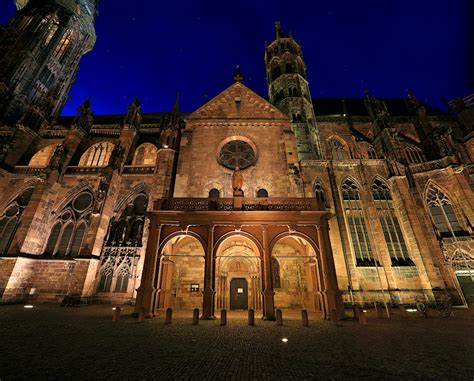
<point x="288" y="90"/>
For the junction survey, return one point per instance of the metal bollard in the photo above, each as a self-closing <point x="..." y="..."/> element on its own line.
<point x="196" y="316"/>
<point x="169" y="316"/>
<point x="251" y="317"/>
<point x="116" y="314"/>
<point x="403" y="310"/>
<point x="362" y="318"/>
<point x="355" y="310"/>
<point x="223" y="317"/>
<point x="142" y="315"/>
<point x="279" y="317"/>
<point x="304" y="318"/>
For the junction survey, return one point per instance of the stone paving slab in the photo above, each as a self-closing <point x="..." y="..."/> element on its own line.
<point x="54" y="343"/>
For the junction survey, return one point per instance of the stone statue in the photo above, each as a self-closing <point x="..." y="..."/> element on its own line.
<point x="116" y="156"/>
<point x="58" y="157"/>
<point x="133" y="117"/>
<point x="237" y="180"/>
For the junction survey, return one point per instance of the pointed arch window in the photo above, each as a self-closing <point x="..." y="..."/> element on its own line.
<point x="390" y="225"/>
<point x="97" y="155"/>
<point x="371" y="153"/>
<point x="443" y="213"/>
<point x="357" y="224"/>
<point x="63" y="45"/>
<point x="67" y="233"/>
<point x="11" y="219"/>
<point x="106" y="276"/>
<point x="337" y="151"/>
<point x="414" y="154"/>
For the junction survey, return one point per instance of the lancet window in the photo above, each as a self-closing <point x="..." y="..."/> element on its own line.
<point x="97" y="155"/>
<point x="414" y="154"/>
<point x="11" y="219"/>
<point x="390" y="225"/>
<point x="67" y="234"/>
<point x="276" y="273"/>
<point x="443" y="214"/>
<point x="357" y="224"/>
<point x="337" y="150"/>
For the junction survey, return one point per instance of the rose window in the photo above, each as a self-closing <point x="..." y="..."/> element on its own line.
<point x="237" y="153"/>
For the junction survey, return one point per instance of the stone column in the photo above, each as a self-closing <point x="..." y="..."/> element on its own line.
<point x="209" y="292"/>
<point x="146" y="291"/>
<point x="332" y="295"/>
<point x="268" y="293"/>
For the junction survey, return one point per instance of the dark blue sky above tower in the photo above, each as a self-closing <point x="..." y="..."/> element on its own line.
<point x="155" y="49"/>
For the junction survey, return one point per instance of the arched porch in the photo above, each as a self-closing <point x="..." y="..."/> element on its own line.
<point x="237" y="249"/>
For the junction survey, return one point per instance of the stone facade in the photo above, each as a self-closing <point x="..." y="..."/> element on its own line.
<point x="84" y="201"/>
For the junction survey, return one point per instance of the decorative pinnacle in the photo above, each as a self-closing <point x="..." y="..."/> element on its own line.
<point x="278" y="28"/>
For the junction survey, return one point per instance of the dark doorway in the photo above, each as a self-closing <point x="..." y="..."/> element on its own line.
<point x="239" y="294"/>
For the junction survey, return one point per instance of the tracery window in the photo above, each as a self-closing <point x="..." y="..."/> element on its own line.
<point x="63" y="45"/>
<point x="443" y="214"/>
<point x="371" y="153"/>
<point x="67" y="234"/>
<point x="53" y="27"/>
<point x="119" y="256"/>
<point x="357" y="225"/>
<point x="237" y="153"/>
<point x="337" y="150"/>
<point x="128" y="229"/>
<point x="390" y="225"/>
<point x="261" y="193"/>
<point x="414" y="154"/>
<point x="97" y="155"/>
<point x="11" y="218"/>
<point x="318" y="191"/>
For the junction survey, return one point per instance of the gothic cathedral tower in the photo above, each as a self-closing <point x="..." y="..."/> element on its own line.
<point x="289" y="91"/>
<point x="40" y="50"/>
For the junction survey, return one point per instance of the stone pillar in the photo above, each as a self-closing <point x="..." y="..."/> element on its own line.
<point x="146" y="291"/>
<point x="331" y="294"/>
<point x="209" y="292"/>
<point x="268" y="293"/>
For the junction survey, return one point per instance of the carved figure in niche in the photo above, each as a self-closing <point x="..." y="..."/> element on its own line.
<point x="58" y="157"/>
<point x="237" y="180"/>
<point x="116" y="157"/>
<point x="101" y="193"/>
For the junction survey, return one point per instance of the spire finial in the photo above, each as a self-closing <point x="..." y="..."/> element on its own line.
<point x="238" y="77"/>
<point x="277" y="28"/>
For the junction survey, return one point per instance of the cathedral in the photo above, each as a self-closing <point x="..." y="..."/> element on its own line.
<point x="277" y="202"/>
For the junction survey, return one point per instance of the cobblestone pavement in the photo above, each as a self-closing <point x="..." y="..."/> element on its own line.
<point x="50" y="342"/>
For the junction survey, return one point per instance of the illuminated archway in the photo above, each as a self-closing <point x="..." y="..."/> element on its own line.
<point x="181" y="274"/>
<point x="238" y="259"/>
<point x="296" y="274"/>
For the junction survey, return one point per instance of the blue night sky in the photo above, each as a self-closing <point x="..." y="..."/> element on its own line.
<point x="155" y="49"/>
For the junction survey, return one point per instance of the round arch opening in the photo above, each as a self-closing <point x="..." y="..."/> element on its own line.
<point x="238" y="274"/>
<point x="181" y="274"/>
<point x="295" y="275"/>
